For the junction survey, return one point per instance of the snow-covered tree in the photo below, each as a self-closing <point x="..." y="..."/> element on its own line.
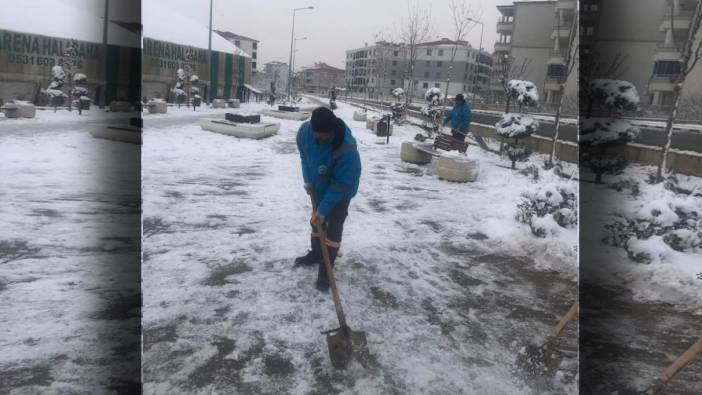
<point x="195" y="97"/>
<point x="80" y="92"/>
<point x="516" y="127"/>
<point x="179" y="95"/>
<point x="55" y="95"/>
<point x="690" y="54"/>
<point x="599" y="137"/>
<point x="398" y="107"/>
<point x="434" y="109"/>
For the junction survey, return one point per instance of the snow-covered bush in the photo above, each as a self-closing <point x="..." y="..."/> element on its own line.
<point x="615" y="94"/>
<point x="80" y="93"/>
<point x="547" y="207"/>
<point x="433" y="111"/>
<point x="515" y="128"/>
<point x="179" y="95"/>
<point x="195" y="91"/>
<point x="54" y="95"/>
<point x="434" y="96"/>
<point x="523" y="93"/>
<point x="398" y="93"/>
<point x="598" y="136"/>
<point x="675" y="222"/>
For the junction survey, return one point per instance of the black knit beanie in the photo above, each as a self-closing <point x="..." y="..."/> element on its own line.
<point x="323" y="120"/>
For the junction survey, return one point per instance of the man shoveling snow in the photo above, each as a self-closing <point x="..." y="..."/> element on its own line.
<point x="331" y="169"/>
<point x="460" y="117"/>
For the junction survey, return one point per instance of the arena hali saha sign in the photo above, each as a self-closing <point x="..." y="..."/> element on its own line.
<point x="27" y="50"/>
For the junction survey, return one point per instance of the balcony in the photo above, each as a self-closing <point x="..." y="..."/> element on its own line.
<point x="556" y="57"/>
<point x="663" y="83"/>
<point x="553" y="83"/>
<point x="505" y="27"/>
<point x="680" y="21"/>
<point x="562" y="31"/>
<point x="565" y="5"/>
<point x="666" y="52"/>
<point x="502" y="47"/>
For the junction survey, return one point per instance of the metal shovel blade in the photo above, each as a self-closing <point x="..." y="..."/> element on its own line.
<point x="344" y="344"/>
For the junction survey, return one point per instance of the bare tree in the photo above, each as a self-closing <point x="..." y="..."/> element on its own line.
<point x="569" y="62"/>
<point x="690" y="53"/>
<point x="414" y="31"/>
<point x="461" y="13"/>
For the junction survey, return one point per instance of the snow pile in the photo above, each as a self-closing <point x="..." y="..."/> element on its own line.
<point x="615" y="94"/>
<point x="80" y="77"/>
<point x="598" y="132"/>
<point x="548" y="207"/>
<point x="57" y="73"/>
<point x="398" y="92"/>
<point x="523" y="92"/>
<point x="515" y="125"/>
<point x="433" y="95"/>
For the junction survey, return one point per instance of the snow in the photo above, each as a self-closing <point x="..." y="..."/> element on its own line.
<point x="524" y="92"/>
<point x="606" y="131"/>
<point x="161" y="22"/>
<point x="616" y="93"/>
<point x="54" y="18"/>
<point x="516" y="125"/>
<point x="397" y="92"/>
<point x="424" y="262"/>
<point x="433" y="94"/>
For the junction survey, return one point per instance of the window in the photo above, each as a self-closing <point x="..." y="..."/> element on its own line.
<point x="555" y="70"/>
<point x="441" y="52"/>
<point x="428" y="52"/>
<point x="253" y="55"/>
<point x="425" y="85"/>
<point x="392" y="82"/>
<point x="416" y="82"/>
<point x="590" y="30"/>
<point x="255" y="45"/>
<point x="394" y="72"/>
<point x="439" y="64"/>
<point x="667" y="68"/>
<point x="465" y="77"/>
<point x="427" y="63"/>
<point x="395" y="53"/>
<point x="253" y="65"/>
<point x="436" y="85"/>
<point x="237" y="43"/>
<point x="438" y="74"/>
<point x="426" y="74"/>
<point x="394" y="62"/>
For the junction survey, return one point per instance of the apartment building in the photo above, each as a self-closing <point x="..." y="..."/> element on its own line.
<point x="647" y="50"/>
<point x="375" y="69"/>
<point x="378" y="69"/>
<point x="273" y="74"/>
<point x="319" y="78"/>
<point x="247" y="44"/>
<point x="537" y="34"/>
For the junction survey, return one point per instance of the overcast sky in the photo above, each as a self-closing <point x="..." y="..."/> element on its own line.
<point x="332" y="27"/>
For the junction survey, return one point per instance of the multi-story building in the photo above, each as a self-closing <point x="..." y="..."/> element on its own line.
<point x="378" y="69"/>
<point x="647" y="51"/>
<point x="319" y="78"/>
<point x="273" y="74"/>
<point x="537" y="35"/>
<point x="247" y="44"/>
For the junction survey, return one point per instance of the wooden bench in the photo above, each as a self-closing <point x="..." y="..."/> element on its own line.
<point x="446" y="142"/>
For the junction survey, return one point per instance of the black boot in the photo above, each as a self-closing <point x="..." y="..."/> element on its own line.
<point x="313" y="257"/>
<point x="322" y="278"/>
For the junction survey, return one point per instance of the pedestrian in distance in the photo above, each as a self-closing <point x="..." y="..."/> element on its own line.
<point x="331" y="170"/>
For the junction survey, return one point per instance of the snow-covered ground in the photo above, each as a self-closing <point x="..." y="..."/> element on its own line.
<point x="69" y="258"/>
<point x="447" y="285"/>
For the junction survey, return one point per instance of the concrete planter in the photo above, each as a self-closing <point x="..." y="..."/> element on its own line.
<point x="408" y="153"/>
<point x="157" y="107"/>
<point x="219" y="103"/>
<point x="120" y="106"/>
<point x="371" y="123"/>
<point x="242" y="130"/>
<point x="457" y="169"/>
<point x="234" y="103"/>
<point x="295" y="116"/>
<point x="20" y="110"/>
<point x="359" y="116"/>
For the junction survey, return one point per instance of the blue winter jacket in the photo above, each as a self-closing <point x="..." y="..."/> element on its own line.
<point x="460" y="117"/>
<point x="333" y="169"/>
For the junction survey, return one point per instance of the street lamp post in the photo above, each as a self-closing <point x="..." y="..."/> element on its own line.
<point x="209" y="54"/>
<point x="480" y="52"/>
<point x="292" y="66"/>
<point x="292" y="41"/>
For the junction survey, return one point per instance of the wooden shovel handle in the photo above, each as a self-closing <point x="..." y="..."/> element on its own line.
<point x="557" y="330"/>
<point x="330" y="275"/>
<point x="688" y="356"/>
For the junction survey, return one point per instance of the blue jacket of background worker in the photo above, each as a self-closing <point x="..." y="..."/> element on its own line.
<point x="460" y="117"/>
<point x="333" y="169"/>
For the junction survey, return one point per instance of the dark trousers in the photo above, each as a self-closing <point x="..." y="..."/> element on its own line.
<point x="334" y="226"/>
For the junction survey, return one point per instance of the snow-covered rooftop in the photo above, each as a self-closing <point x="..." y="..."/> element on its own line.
<point x="61" y="20"/>
<point x="162" y="23"/>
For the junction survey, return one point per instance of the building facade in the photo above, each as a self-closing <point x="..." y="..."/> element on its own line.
<point x="647" y="51"/>
<point x="536" y="36"/>
<point x="274" y="74"/>
<point x="246" y="44"/>
<point x="319" y="79"/>
<point x="378" y="69"/>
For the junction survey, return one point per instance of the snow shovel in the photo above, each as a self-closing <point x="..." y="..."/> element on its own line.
<point x="343" y="342"/>
<point x="671" y="371"/>
<point x="533" y="358"/>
